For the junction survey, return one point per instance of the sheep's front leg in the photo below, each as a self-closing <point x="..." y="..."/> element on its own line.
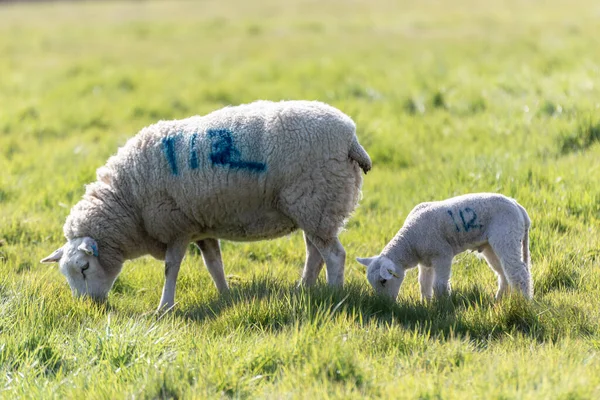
<point x="173" y="258"/>
<point x="211" y="253"/>
<point x="442" y="269"/>
<point x="313" y="264"/>
<point x="426" y="281"/>
<point x="334" y="255"/>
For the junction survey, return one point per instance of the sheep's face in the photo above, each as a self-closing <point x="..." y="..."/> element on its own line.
<point x="78" y="260"/>
<point x="383" y="275"/>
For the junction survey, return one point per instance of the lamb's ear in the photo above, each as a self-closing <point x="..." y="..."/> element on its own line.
<point x="89" y="247"/>
<point x="365" y="261"/>
<point x="54" y="257"/>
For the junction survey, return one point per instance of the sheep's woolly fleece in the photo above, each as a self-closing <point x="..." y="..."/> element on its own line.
<point x="249" y="172"/>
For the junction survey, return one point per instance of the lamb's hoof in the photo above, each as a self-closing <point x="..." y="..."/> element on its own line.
<point x="164" y="309"/>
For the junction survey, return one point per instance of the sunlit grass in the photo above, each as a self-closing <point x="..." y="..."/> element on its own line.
<point x="448" y="97"/>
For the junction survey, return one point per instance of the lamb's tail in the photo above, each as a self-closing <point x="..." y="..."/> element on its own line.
<point x="359" y="154"/>
<point x="526" y="257"/>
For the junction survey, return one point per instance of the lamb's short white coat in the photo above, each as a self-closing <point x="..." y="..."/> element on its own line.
<point x="250" y="172"/>
<point x="434" y="232"/>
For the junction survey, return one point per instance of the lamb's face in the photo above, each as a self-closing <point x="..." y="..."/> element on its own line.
<point x="383" y="275"/>
<point x="78" y="260"/>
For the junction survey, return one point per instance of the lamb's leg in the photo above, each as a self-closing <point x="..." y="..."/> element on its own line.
<point x="507" y="247"/>
<point x="173" y="258"/>
<point x="496" y="266"/>
<point x="441" y="266"/>
<point x="313" y="264"/>
<point x="211" y="253"/>
<point x="426" y="281"/>
<point x="334" y="255"/>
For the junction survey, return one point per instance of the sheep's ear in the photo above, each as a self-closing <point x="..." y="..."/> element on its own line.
<point x="89" y="247"/>
<point x="54" y="257"/>
<point x="365" y="261"/>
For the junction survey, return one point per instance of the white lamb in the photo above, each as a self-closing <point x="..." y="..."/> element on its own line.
<point x="251" y="172"/>
<point x="435" y="232"/>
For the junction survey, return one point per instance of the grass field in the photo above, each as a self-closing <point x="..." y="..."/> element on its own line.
<point x="449" y="97"/>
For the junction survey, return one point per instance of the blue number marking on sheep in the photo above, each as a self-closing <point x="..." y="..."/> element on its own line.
<point x="168" y="146"/>
<point x="470" y="224"/>
<point x="94" y="249"/>
<point x="193" y="156"/>
<point x="224" y="152"/>
<point x="455" y="224"/>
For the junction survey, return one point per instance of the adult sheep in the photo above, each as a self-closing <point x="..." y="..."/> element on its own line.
<point x="251" y="172"/>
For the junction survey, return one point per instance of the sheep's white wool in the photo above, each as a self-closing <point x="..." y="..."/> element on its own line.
<point x="434" y="232"/>
<point x="251" y="172"/>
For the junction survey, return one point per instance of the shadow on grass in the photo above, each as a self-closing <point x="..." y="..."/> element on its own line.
<point x="265" y="303"/>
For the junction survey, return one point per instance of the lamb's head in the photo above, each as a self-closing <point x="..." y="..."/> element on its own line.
<point x="78" y="260"/>
<point x="385" y="276"/>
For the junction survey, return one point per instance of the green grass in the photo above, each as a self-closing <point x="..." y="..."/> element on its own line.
<point x="449" y="98"/>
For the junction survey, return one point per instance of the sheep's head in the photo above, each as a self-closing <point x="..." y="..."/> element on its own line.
<point x="78" y="260"/>
<point x="383" y="275"/>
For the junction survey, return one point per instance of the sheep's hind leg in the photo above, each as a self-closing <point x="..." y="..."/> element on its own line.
<point x="334" y="255"/>
<point x="173" y="258"/>
<point x="318" y="204"/>
<point x="313" y="264"/>
<point x="496" y="266"/>
<point x="211" y="253"/>
<point x="507" y="248"/>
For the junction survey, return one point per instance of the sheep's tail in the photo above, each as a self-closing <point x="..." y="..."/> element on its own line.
<point x="526" y="257"/>
<point x="359" y="154"/>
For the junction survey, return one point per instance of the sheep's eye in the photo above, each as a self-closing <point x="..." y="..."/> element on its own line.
<point x="383" y="281"/>
<point x="86" y="266"/>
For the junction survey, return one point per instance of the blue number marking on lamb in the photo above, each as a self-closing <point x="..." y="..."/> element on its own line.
<point x="470" y="224"/>
<point x="193" y="155"/>
<point x="168" y="147"/>
<point x="455" y="224"/>
<point x="224" y="152"/>
<point x="466" y="212"/>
